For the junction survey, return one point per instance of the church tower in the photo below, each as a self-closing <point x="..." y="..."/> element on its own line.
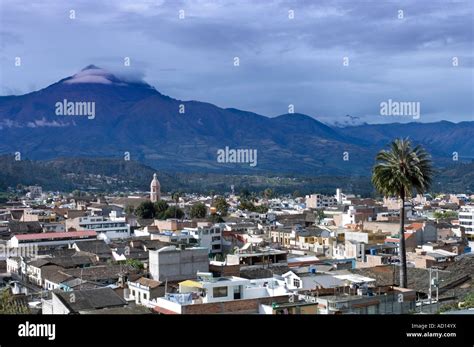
<point x="155" y="193"/>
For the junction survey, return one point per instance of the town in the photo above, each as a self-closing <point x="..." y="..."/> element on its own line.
<point x="233" y="253"/>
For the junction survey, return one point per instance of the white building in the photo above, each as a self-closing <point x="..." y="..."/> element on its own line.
<point x="466" y="220"/>
<point x="106" y="228"/>
<point x="143" y="290"/>
<point x="220" y="290"/>
<point x="208" y="236"/>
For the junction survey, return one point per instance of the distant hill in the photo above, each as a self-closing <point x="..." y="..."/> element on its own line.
<point x="133" y="117"/>
<point x="117" y="175"/>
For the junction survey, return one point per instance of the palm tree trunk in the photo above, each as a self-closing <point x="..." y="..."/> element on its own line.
<point x="403" y="253"/>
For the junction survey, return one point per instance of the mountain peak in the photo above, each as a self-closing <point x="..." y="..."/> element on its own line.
<point x="95" y="75"/>
<point x="91" y="67"/>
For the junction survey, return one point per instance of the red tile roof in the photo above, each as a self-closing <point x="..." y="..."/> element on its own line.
<point x="70" y="234"/>
<point x="415" y="226"/>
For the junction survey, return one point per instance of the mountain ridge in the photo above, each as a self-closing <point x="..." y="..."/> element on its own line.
<point x="135" y="118"/>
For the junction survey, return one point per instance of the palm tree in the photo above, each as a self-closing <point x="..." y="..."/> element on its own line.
<point x="175" y="196"/>
<point x="397" y="172"/>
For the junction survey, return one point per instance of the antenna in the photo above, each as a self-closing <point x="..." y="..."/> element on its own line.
<point x="80" y="284"/>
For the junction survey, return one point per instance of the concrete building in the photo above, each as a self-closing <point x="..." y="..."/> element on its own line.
<point x="106" y="228"/>
<point x="208" y="236"/>
<point x="203" y="295"/>
<point x="381" y="300"/>
<point x="38" y="215"/>
<point x="319" y="201"/>
<point x="466" y="220"/>
<point x="262" y="257"/>
<point x="174" y="224"/>
<point x="173" y="264"/>
<point x="144" y="289"/>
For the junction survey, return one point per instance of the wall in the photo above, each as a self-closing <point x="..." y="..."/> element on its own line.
<point x="175" y="265"/>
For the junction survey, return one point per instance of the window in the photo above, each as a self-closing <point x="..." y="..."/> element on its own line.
<point x="219" y="292"/>
<point x="296" y="282"/>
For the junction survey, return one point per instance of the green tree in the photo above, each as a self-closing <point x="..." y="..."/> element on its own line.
<point x="215" y="218"/>
<point x="146" y="210"/>
<point x="135" y="263"/>
<point x="245" y="193"/>
<point x="445" y="214"/>
<point x="320" y="215"/>
<point x="222" y="207"/>
<point x="268" y="193"/>
<point x="173" y="212"/>
<point x="198" y="210"/>
<point x="296" y="194"/>
<point x="160" y="208"/>
<point x="397" y="172"/>
<point x="8" y="305"/>
<point x="129" y="209"/>
<point x="176" y="196"/>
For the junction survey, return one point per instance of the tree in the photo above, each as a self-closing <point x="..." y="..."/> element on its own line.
<point x="296" y="194"/>
<point x="244" y="193"/>
<point x="129" y="209"/>
<point x="8" y="304"/>
<point x="173" y="212"/>
<point x="215" y="218"/>
<point x="145" y="210"/>
<point x="320" y="215"/>
<point x="198" y="210"/>
<point x="246" y="205"/>
<point x="445" y="214"/>
<point x="222" y="207"/>
<point x="135" y="263"/>
<point x="176" y="196"/>
<point x="268" y="193"/>
<point x="397" y="172"/>
<point x="160" y="208"/>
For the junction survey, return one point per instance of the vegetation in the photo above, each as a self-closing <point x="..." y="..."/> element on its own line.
<point x="398" y="172"/>
<point x="113" y="175"/>
<point x="129" y="209"/>
<point x="268" y="193"/>
<point x="445" y="214"/>
<point x="466" y="303"/>
<point x="158" y="210"/>
<point x="145" y="210"/>
<point x="320" y="215"/>
<point x="173" y="212"/>
<point x="221" y="205"/>
<point x="215" y="218"/>
<point x="136" y="264"/>
<point x="8" y="305"/>
<point x="249" y="206"/>
<point x="198" y="210"/>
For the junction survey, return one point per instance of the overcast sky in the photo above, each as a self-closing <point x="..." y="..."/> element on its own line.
<point x="283" y="60"/>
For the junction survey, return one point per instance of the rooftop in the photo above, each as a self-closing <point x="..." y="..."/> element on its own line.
<point x="65" y="235"/>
